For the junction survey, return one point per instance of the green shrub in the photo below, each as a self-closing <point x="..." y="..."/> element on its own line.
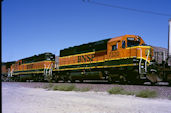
<point x="169" y="97"/>
<point x="146" y="94"/>
<point x="115" y="90"/>
<point x="119" y="90"/>
<point x="48" y="86"/>
<point x="127" y="92"/>
<point x="84" y="89"/>
<point x="81" y="89"/>
<point x="64" y="87"/>
<point x="55" y="87"/>
<point x="76" y="89"/>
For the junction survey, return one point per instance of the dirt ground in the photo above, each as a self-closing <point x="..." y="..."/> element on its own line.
<point x="18" y="99"/>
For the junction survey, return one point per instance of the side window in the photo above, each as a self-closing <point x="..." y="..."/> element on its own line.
<point x="123" y="44"/>
<point x="114" y="47"/>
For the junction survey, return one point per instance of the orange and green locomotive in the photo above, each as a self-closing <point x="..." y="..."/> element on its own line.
<point x="5" y="70"/>
<point x="36" y="67"/>
<point x="125" y="59"/>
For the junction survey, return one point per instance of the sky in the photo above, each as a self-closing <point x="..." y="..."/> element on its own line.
<point x="31" y="27"/>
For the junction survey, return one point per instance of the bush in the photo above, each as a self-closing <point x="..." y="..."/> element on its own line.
<point x="64" y="87"/>
<point x="127" y="93"/>
<point x="82" y="89"/>
<point x="119" y="90"/>
<point x="76" y="89"/>
<point x="142" y="93"/>
<point x="146" y="94"/>
<point x="116" y="90"/>
<point x="48" y="86"/>
<point x="85" y="89"/>
<point x="55" y="87"/>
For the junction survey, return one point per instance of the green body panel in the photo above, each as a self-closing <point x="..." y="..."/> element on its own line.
<point x="28" y="71"/>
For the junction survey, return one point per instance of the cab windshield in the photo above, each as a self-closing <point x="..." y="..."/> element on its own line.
<point x="132" y="42"/>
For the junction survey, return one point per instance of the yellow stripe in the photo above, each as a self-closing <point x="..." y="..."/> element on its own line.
<point x="78" y="55"/>
<point x="94" y="67"/>
<point x="138" y="47"/>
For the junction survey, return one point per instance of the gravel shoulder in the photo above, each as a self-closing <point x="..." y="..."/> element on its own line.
<point x="23" y="98"/>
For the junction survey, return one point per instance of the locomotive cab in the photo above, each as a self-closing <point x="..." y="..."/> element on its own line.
<point x="130" y="50"/>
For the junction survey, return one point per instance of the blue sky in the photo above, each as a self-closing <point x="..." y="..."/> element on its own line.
<point x="32" y="27"/>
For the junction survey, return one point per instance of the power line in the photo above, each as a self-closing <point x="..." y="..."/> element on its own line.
<point x="126" y="8"/>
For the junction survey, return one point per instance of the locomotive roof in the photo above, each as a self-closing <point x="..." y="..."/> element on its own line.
<point x="38" y="57"/>
<point x="84" y="48"/>
<point x="120" y="38"/>
<point x="6" y="63"/>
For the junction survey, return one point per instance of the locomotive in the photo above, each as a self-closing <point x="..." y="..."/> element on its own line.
<point x="123" y="59"/>
<point x="5" y="70"/>
<point x="33" y="68"/>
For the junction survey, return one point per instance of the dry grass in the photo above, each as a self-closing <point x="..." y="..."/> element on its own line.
<point x="64" y="87"/>
<point x="146" y="94"/>
<point x="169" y="97"/>
<point x="119" y="90"/>
<point x="142" y="93"/>
<point x="48" y="86"/>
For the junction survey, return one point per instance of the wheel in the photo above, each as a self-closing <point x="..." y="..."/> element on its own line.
<point x="65" y="80"/>
<point x="153" y="83"/>
<point x="81" y="80"/>
<point x="56" y="78"/>
<point x="110" y="80"/>
<point x="136" y="80"/>
<point x="169" y="83"/>
<point x="72" y="80"/>
<point x="122" y="79"/>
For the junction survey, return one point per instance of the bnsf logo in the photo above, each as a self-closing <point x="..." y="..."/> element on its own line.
<point x="85" y="58"/>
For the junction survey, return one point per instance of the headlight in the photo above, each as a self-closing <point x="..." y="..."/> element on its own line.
<point x="153" y="58"/>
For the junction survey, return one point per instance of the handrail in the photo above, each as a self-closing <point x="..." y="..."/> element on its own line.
<point x="51" y="68"/>
<point x="10" y="73"/>
<point x="44" y="69"/>
<point x="146" y="61"/>
<point x="140" y="60"/>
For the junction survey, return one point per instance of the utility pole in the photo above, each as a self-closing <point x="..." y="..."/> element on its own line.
<point x="169" y="43"/>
